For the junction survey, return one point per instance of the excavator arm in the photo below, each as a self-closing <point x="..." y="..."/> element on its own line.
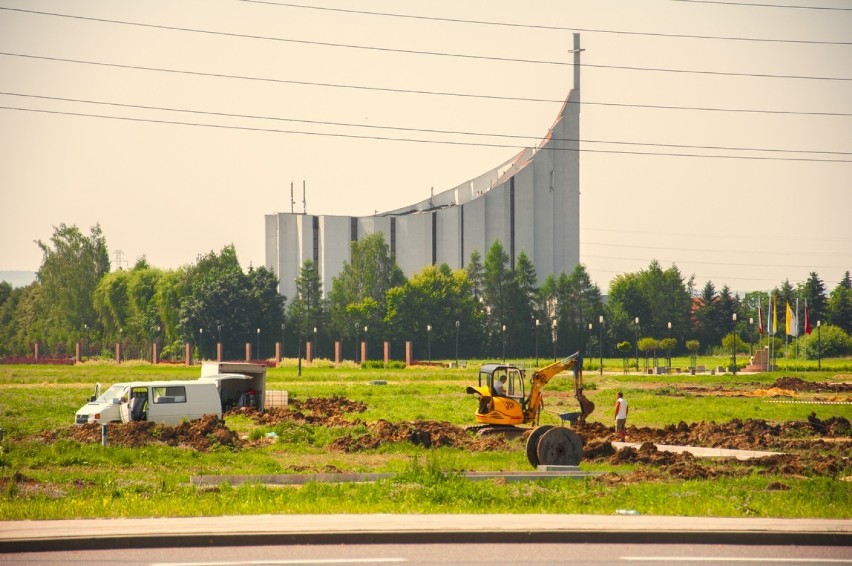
<point x="542" y="377"/>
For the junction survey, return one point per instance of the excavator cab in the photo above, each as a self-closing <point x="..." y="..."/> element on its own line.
<point x="501" y="392"/>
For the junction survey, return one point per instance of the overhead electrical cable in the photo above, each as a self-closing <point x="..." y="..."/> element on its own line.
<point x="535" y="139"/>
<point x="751" y="5"/>
<point x="413" y="140"/>
<point x="433" y="53"/>
<point x="542" y="26"/>
<point x="412" y="91"/>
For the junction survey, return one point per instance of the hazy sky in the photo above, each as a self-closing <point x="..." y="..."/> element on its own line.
<point x="167" y="190"/>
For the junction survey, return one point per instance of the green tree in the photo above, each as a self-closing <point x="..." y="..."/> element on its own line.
<point x="840" y="304"/>
<point x="812" y="293"/>
<point x="71" y="268"/>
<point x="371" y="272"/>
<point x="832" y="341"/>
<point x="435" y="297"/>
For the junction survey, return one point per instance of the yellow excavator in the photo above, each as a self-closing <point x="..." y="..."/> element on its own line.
<point x="504" y="403"/>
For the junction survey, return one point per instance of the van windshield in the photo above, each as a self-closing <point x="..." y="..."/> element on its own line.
<point x="113" y="392"/>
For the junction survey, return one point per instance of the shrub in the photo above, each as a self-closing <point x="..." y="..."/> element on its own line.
<point x="832" y="341"/>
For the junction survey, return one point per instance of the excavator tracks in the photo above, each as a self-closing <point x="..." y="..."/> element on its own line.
<point x="510" y="432"/>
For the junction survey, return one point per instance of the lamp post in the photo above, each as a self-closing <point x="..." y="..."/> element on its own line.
<point x="429" y="341"/>
<point x="589" y="342"/>
<point x="282" y="341"/>
<point x="219" y="334"/>
<point x="819" y="345"/>
<point x="458" y="325"/>
<point x="258" y="345"/>
<point x="669" y="349"/>
<point x="366" y="344"/>
<point x="355" y="355"/>
<point x="504" y="343"/>
<point x="553" y="337"/>
<point x="637" y="343"/>
<point x="537" y="323"/>
<point x="600" y="344"/>
<point x="86" y="341"/>
<point x="734" y="342"/>
<point x="316" y="345"/>
<point x="200" y="340"/>
<point x="750" y="330"/>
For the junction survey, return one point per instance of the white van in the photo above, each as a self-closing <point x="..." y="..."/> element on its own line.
<point x="170" y="402"/>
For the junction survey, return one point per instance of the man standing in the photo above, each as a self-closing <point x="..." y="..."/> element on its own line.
<point x="620" y="415"/>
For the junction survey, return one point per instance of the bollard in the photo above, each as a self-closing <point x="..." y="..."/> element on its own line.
<point x="103" y="435"/>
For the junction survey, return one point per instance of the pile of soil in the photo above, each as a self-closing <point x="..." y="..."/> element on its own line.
<point x="424" y="433"/>
<point x="199" y="434"/>
<point x="799" y="384"/>
<point x="751" y="434"/>
<point x="323" y="411"/>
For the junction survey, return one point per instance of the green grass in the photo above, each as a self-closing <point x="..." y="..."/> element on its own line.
<point x="65" y="479"/>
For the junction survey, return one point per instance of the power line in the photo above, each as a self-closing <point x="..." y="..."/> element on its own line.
<point x="432" y="53"/>
<point x="749" y="5"/>
<point x="413" y="91"/>
<point x="705" y="250"/>
<point x="408" y="129"/>
<point x="692" y="262"/>
<point x="542" y="26"/>
<point x="413" y="140"/>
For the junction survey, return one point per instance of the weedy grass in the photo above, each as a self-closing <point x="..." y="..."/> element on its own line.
<point x="51" y="479"/>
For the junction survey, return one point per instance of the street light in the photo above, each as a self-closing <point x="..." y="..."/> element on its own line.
<point x="316" y="346"/>
<point x="355" y="356"/>
<point x="637" y="343"/>
<point x="734" y="342"/>
<point x="589" y="341"/>
<point x="366" y="345"/>
<point x="429" y="341"/>
<point x="258" y="345"/>
<point x="669" y="349"/>
<point x="504" y="343"/>
<point x="750" y="330"/>
<point x="537" y="325"/>
<point x="458" y="325"/>
<point x="600" y="345"/>
<point x="282" y="341"/>
<point x="553" y="337"/>
<point x="819" y="346"/>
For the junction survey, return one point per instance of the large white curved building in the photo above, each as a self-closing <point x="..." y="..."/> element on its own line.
<point x="530" y="203"/>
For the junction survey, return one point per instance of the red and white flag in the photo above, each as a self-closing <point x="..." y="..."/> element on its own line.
<point x="807" y="320"/>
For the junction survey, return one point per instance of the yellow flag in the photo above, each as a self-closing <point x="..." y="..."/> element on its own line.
<point x="774" y="315"/>
<point x="788" y="316"/>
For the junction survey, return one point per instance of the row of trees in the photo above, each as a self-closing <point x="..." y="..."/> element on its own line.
<point x="489" y="309"/>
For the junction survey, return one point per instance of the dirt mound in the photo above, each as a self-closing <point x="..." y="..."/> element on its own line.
<point x="799" y="384"/>
<point x="323" y="411"/>
<point x="424" y="433"/>
<point x="199" y="434"/>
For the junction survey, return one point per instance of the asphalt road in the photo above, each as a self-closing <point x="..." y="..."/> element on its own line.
<point x="469" y="554"/>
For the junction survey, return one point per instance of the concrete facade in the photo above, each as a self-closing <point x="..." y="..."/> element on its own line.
<point x="530" y="203"/>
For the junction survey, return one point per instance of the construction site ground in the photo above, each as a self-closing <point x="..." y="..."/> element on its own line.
<point x="811" y="447"/>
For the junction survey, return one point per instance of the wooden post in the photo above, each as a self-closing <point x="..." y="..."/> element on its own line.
<point x="35" y="351"/>
<point x="187" y="354"/>
<point x="409" y="353"/>
<point x="155" y="356"/>
<point x="218" y="351"/>
<point x="363" y="352"/>
<point x="118" y="353"/>
<point x="309" y="352"/>
<point x="277" y="353"/>
<point x="78" y="353"/>
<point x="387" y="352"/>
<point x="337" y="351"/>
<point x="248" y="351"/>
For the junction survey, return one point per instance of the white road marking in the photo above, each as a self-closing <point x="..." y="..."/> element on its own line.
<point x="735" y="559"/>
<point x="283" y="562"/>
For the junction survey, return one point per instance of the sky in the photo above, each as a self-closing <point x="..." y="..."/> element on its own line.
<point x="716" y="136"/>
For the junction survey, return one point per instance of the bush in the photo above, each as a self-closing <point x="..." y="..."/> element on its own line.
<point x="832" y="340"/>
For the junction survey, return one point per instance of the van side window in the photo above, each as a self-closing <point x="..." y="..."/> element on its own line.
<point x="169" y="395"/>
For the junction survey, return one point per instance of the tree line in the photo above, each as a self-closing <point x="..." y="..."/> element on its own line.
<point x="489" y="309"/>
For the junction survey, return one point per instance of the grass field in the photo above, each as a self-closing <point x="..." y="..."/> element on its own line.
<point x="44" y="474"/>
